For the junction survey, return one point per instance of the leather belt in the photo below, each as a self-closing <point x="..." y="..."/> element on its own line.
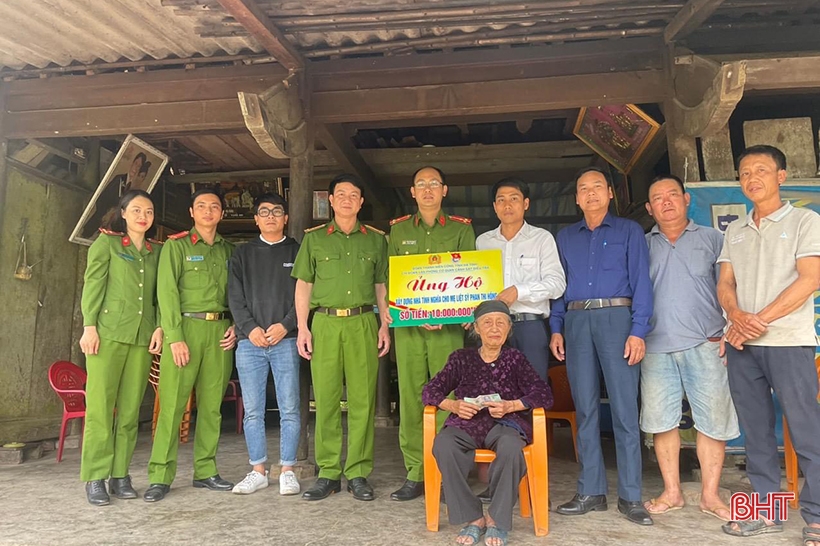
<point x="714" y="339"/>
<point x="599" y="303"/>
<point x="208" y="316"/>
<point x="352" y="312"/>
<point x="523" y="317"/>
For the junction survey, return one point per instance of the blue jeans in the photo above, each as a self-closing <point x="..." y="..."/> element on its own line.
<point x="253" y="363"/>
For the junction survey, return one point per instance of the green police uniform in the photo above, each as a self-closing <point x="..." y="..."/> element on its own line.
<point x="119" y="299"/>
<point x="193" y="278"/>
<point x="420" y="353"/>
<point x="344" y="270"/>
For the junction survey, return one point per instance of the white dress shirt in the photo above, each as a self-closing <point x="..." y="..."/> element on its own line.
<point x="531" y="264"/>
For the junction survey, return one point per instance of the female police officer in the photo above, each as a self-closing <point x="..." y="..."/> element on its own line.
<point x="121" y="330"/>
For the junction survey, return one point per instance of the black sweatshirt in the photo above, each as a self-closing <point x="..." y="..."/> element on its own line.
<point x="260" y="288"/>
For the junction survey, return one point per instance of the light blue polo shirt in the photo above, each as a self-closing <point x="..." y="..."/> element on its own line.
<point x="684" y="279"/>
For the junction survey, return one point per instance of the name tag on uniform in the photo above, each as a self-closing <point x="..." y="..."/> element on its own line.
<point x="126" y="257"/>
<point x="409" y="242"/>
<point x="194" y="258"/>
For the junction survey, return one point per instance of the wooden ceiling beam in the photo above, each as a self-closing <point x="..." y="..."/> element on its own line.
<point x="259" y="25"/>
<point x="494" y="97"/>
<point x="358" y="105"/>
<point x="783" y="73"/>
<point x="689" y="18"/>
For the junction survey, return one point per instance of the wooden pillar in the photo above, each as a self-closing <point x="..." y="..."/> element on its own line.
<point x="300" y="217"/>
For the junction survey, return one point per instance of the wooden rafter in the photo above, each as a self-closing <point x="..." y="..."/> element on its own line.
<point x="688" y="19"/>
<point x="259" y="25"/>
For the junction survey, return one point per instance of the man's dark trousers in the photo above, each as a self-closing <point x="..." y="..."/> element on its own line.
<point x="531" y="338"/>
<point x="791" y="372"/>
<point x="594" y="341"/>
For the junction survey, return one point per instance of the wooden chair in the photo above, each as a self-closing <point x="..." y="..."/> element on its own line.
<point x="563" y="408"/>
<point x="792" y="470"/>
<point x="533" y="491"/>
<point x="68" y="381"/>
<point x="233" y="394"/>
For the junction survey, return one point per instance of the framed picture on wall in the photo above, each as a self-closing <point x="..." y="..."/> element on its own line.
<point x="619" y="133"/>
<point x="137" y="165"/>
<point x="321" y="205"/>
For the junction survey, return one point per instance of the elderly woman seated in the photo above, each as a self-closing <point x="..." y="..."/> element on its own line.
<point x="504" y="426"/>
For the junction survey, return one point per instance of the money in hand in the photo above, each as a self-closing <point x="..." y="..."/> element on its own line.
<point x="482" y="400"/>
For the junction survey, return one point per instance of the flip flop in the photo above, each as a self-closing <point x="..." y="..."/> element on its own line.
<point x="495" y="532"/>
<point x="713" y="512"/>
<point x="658" y="502"/>
<point x="811" y="534"/>
<point x="751" y="528"/>
<point x="472" y="531"/>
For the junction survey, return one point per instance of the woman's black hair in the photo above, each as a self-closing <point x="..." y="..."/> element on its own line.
<point x="117" y="222"/>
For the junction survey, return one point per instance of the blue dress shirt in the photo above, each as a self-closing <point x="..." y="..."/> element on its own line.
<point x="611" y="261"/>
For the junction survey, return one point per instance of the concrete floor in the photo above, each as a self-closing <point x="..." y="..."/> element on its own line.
<point x="43" y="503"/>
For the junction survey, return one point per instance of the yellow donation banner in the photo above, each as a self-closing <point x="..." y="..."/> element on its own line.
<point x="442" y="288"/>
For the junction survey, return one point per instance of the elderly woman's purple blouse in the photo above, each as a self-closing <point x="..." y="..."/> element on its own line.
<point x="511" y="376"/>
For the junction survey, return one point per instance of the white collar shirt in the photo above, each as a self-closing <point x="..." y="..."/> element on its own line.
<point x="531" y="264"/>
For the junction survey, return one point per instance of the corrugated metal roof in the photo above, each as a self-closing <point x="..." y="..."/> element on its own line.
<point x="40" y="32"/>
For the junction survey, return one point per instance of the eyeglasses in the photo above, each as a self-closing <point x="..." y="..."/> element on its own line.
<point x="265" y="212"/>
<point x="432" y="184"/>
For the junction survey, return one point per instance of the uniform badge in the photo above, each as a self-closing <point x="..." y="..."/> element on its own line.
<point x="194" y="258"/>
<point x="126" y="257"/>
<point x="409" y="242"/>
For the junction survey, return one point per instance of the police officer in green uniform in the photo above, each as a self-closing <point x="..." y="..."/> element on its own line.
<point x="121" y="330"/>
<point x="421" y="352"/>
<point x="341" y="271"/>
<point x="197" y="353"/>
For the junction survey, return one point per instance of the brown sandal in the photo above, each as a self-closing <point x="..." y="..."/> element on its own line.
<point x="660" y="502"/>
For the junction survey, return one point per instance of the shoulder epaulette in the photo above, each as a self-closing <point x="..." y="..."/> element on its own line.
<point x="461" y="219"/>
<point x="111" y="232"/>
<point x="371" y="228"/>
<point x="308" y="230"/>
<point x="402" y="219"/>
<point x="180" y="235"/>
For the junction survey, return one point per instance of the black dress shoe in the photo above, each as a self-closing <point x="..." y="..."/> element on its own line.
<point x="121" y="488"/>
<point x="96" y="493"/>
<point x="156" y="492"/>
<point x="635" y="512"/>
<point x="485" y="496"/>
<point x="214" y="483"/>
<point x="322" y="489"/>
<point x="361" y="489"/>
<point x="409" y="491"/>
<point x="582" y="504"/>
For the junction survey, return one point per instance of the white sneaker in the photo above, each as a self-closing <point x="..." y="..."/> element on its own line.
<point x="288" y="484"/>
<point x="253" y="482"/>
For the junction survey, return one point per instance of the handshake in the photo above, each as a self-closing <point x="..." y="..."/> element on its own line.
<point x="481" y="401"/>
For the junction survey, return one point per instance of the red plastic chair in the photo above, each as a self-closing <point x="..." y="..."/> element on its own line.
<point x="68" y="381"/>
